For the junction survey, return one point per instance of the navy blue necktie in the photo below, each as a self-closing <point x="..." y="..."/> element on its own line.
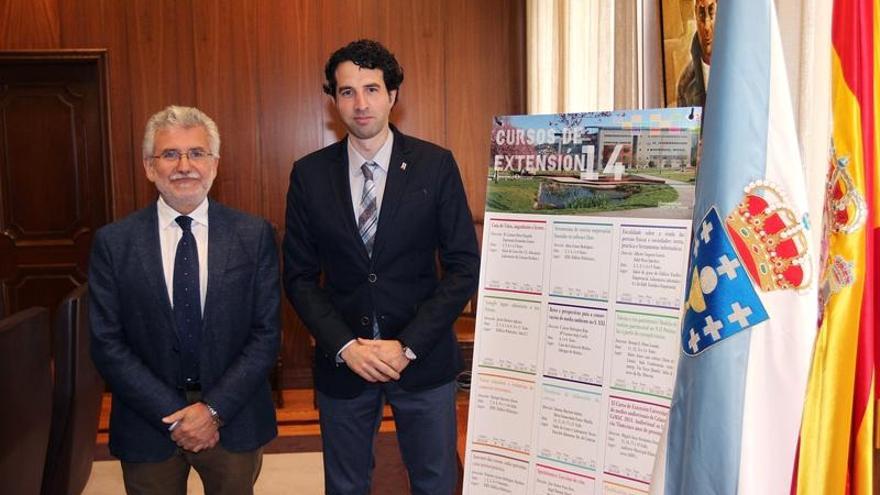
<point x="187" y="306"/>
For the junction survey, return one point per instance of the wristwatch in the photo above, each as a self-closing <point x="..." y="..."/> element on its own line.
<point x="409" y="354"/>
<point x="215" y="416"/>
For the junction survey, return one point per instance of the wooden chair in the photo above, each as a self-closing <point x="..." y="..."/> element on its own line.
<point x="76" y="404"/>
<point x="26" y="392"/>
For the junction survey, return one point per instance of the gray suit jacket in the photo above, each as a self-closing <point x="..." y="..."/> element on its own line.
<point x="135" y="344"/>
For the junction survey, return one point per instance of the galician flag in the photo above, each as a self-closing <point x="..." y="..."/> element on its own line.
<point x="750" y="312"/>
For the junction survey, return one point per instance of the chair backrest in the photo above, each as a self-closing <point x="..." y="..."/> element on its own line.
<point x="26" y="392"/>
<point x="76" y="400"/>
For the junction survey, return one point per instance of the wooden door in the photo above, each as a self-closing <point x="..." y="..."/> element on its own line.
<point x="54" y="171"/>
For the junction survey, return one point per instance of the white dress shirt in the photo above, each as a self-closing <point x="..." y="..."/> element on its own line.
<point x="356" y="181"/>
<point x="169" y="235"/>
<point x="380" y="173"/>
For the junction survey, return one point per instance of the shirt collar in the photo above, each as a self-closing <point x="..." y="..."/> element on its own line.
<point x="167" y="214"/>
<point x="382" y="158"/>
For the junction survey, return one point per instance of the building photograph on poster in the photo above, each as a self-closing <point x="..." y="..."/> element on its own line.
<point x="688" y="29"/>
<point x="631" y="163"/>
<point x="585" y="242"/>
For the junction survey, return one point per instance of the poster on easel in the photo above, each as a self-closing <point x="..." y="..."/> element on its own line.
<point x="585" y="239"/>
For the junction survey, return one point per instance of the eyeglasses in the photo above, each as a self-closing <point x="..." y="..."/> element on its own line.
<point x="197" y="155"/>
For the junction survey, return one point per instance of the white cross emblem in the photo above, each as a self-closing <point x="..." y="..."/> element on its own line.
<point x="712" y="327"/>
<point x="705" y="231"/>
<point x="696" y="246"/>
<point x="739" y="315"/>
<point x="728" y="267"/>
<point x="693" y="341"/>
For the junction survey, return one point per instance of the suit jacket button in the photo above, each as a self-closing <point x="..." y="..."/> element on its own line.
<point x="365" y="320"/>
<point x="372" y="278"/>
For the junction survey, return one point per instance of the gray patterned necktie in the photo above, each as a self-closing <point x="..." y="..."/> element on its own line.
<point x="368" y="217"/>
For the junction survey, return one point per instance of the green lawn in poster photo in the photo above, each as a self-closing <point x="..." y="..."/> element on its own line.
<point x="688" y="175"/>
<point x="519" y="195"/>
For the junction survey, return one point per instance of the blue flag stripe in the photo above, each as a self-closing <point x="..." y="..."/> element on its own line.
<point x="705" y="424"/>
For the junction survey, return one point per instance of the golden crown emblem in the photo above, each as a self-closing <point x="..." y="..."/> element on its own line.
<point x="845" y="208"/>
<point x="769" y="239"/>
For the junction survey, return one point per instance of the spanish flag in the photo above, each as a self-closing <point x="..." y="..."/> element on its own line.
<point x="836" y="447"/>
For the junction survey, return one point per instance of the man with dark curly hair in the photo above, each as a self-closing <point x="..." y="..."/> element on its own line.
<point x="367" y="219"/>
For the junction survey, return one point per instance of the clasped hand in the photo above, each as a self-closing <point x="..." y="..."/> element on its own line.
<point x="195" y="429"/>
<point x="376" y="360"/>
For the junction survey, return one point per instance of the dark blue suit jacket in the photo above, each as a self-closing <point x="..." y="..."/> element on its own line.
<point x="424" y="217"/>
<point x="135" y="344"/>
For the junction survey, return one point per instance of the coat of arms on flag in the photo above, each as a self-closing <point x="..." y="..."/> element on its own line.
<point x="845" y="213"/>
<point x="761" y="242"/>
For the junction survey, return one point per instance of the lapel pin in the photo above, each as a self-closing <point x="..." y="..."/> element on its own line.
<point x="403" y="166"/>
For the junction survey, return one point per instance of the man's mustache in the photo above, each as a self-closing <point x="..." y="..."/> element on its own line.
<point x="186" y="175"/>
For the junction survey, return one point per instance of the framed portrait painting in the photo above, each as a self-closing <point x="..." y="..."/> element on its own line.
<point x="688" y="27"/>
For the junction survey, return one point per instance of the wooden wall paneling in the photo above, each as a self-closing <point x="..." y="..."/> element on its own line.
<point x="484" y="77"/>
<point x="101" y="24"/>
<point x="290" y="103"/>
<point x="225" y="69"/>
<point x="161" y="67"/>
<point x="29" y="24"/>
<point x="342" y="21"/>
<point x="414" y="31"/>
<point x="485" y="40"/>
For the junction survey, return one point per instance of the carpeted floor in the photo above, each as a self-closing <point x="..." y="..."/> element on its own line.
<point x="291" y="464"/>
